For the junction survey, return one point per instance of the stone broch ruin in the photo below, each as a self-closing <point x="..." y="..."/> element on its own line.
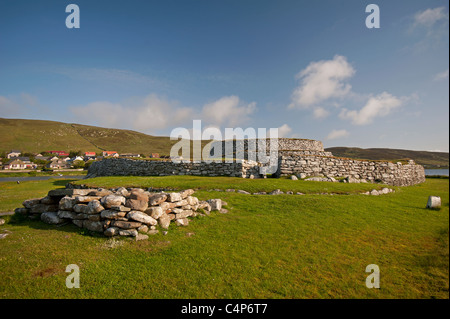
<point x="136" y="212"/>
<point x="300" y="157"/>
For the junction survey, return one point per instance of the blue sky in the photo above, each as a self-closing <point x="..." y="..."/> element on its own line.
<point x="311" y="68"/>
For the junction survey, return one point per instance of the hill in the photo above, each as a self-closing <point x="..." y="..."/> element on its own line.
<point x="37" y="136"/>
<point x="427" y="159"/>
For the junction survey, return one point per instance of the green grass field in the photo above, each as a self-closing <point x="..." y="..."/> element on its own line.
<point x="283" y="246"/>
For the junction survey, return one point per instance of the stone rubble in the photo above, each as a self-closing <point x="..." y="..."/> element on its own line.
<point x="119" y="212"/>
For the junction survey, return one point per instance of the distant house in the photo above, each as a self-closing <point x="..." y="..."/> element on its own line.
<point x="58" y="164"/>
<point x="42" y="158"/>
<point x="54" y="158"/>
<point x="13" y="153"/>
<point x="58" y="153"/>
<point x="110" y="154"/>
<point x="129" y="155"/>
<point x="89" y="154"/>
<point x="76" y="158"/>
<point x="155" y="155"/>
<point x="15" y="164"/>
<point x="66" y="159"/>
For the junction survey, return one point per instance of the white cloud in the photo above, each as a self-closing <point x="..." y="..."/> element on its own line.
<point x="152" y="113"/>
<point x="441" y="76"/>
<point x="320" y="113"/>
<point x="377" y="106"/>
<point x="321" y="81"/>
<point x="147" y="114"/>
<point x="18" y="105"/>
<point x="284" y="130"/>
<point x="429" y="17"/>
<point x="228" y="111"/>
<point x="335" y="134"/>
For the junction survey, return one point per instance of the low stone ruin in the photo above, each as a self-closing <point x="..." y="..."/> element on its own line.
<point x="121" y="211"/>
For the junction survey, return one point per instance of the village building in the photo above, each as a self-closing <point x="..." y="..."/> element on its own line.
<point x="58" y="153"/>
<point x="58" y="164"/>
<point x="110" y="154"/>
<point x="129" y="155"/>
<point x="13" y="153"/>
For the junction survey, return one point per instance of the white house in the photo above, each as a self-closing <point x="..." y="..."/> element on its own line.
<point x="15" y="164"/>
<point x="14" y="153"/>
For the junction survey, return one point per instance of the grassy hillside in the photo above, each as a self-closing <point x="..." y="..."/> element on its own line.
<point x="428" y="159"/>
<point x="38" y="136"/>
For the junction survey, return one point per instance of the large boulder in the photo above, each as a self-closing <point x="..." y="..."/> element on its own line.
<point x="96" y="226"/>
<point x="51" y="218"/>
<point x="67" y="203"/>
<point x="94" y="207"/>
<point x="142" y="217"/>
<point x="154" y="212"/>
<point x="112" y="200"/>
<point x="125" y="224"/>
<point x="112" y="214"/>
<point x="156" y="199"/>
<point x="138" y="200"/>
<point x="164" y="221"/>
<point x="31" y="202"/>
<point x="174" y="197"/>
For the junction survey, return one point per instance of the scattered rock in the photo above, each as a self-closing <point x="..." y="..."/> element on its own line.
<point x="374" y="192"/>
<point x="182" y="222"/>
<point x="216" y="204"/>
<point x="294" y="178"/>
<point x="276" y="192"/>
<point x="164" y="221"/>
<point x="434" y="202"/>
<point x="128" y="232"/>
<point x="2" y="221"/>
<point x="111" y="231"/>
<point x="141" y="237"/>
<point x="240" y="191"/>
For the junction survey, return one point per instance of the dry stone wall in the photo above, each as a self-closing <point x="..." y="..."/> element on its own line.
<point x="372" y="171"/>
<point x="294" y="157"/>
<point x="126" y="167"/>
<point x="283" y="144"/>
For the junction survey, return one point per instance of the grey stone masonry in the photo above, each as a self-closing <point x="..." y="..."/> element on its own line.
<point x="299" y="157"/>
<point x="125" y="167"/>
<point x="372" y="171"/>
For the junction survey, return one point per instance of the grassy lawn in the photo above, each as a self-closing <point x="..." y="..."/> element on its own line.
<point x="223" y="183"/>
<point x="283" y="246"/>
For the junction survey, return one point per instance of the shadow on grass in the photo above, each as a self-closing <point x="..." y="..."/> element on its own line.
<point x="63" y="182"/>
<point x="67" y="227"/>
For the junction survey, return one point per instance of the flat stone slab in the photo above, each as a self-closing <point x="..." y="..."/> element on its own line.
<point x="69" y="192"/>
